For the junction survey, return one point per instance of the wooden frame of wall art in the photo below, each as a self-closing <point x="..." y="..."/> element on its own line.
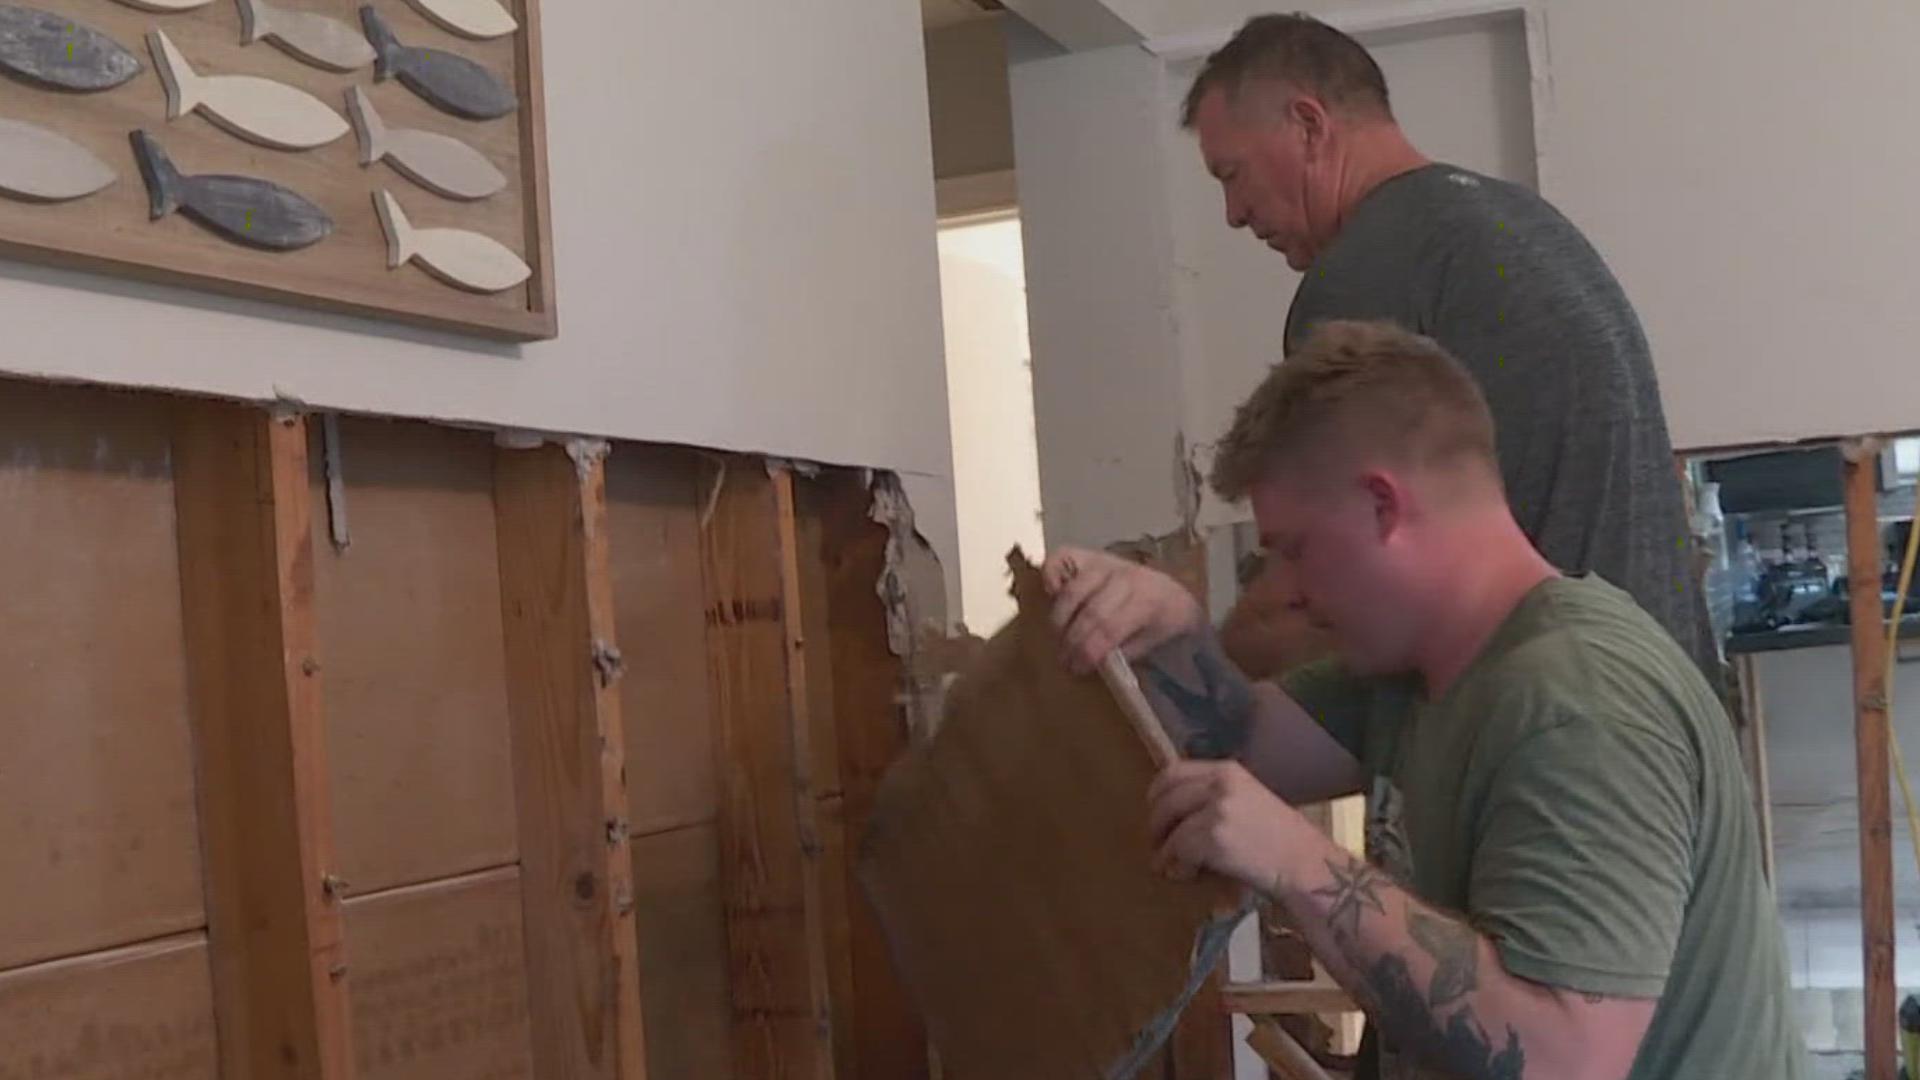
<point x="382" y="158"/>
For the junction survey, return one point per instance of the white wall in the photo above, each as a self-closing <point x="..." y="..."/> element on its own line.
<point x="996" y="469"/>
<point x="744" y="232"/>
<point x="1087" y="136"/>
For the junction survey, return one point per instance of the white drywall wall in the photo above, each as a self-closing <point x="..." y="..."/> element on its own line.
<point x="996" y="469"/>
<point x="1087" y="136"/>
<point x="744" y="233"/>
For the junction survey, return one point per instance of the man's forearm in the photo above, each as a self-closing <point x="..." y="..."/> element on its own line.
<point x="1207" y="705"/>
<point x="1433" y="984"/>
<point x="1214" y="712"/>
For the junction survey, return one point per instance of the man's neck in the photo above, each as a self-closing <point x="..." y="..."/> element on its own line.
<point x="1491" y="567"/>
<point x="1375" y="154"/>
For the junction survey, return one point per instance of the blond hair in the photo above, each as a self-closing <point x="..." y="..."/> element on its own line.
<point x="1358" y="389"/>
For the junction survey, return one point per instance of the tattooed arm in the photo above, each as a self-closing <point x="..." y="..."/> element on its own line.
<point x="1210" y="709"/>
<point x="1434" y="985"/>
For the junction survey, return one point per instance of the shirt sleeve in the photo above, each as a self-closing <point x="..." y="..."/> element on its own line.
<point x="1337" y="699"/>
<point x="1584" y="861"/>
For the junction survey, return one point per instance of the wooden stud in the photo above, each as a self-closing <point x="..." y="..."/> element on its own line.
<point x="556" y="597"/>
<point x="246" y="570"/>
<point x="875" y="1017"/>
<point x="1862" y="472"/>
<point x="770" y="846"/>
<point x="1287" y="998"/>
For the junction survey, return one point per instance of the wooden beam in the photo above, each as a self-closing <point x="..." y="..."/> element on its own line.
<point x="1864" y="570"/>
<point x="246" y="573"/>
<point x="771" y="848"/>
<point x="1281" y="1053"/>
<point x="1287" y="998"/>
<point x="884" y="1035"/>
<point x="556" y="598"/>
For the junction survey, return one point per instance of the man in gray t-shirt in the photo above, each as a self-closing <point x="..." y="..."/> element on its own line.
<point x="1294" y="121"/>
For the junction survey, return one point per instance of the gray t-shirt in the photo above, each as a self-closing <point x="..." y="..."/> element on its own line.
<point x="1515" y="292"/>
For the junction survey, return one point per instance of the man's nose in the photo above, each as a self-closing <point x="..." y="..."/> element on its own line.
<point x="1236" y="214"/>
<point x="1285" y="582"/>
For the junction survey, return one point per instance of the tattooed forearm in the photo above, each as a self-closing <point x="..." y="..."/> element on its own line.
<point x="1355" y="886"/>
<point x="1459" y="1044"/>
<point x="1212" y="700"/>
<point x="1456" y="955"/>
<point x="1377" y="936"/>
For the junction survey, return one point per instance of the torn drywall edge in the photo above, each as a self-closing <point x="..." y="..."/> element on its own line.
<point x="808" y="469"/>
<point x="518" y="439"/>
<point x="1189" y="485"/>
<point x="587" y="455"/>
<point x="913" y="590"/>
<point x="335" y="470"/>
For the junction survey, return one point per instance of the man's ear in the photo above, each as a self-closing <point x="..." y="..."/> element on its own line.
<point x="1389" y="501"/>
<point x="1309" y="116"/>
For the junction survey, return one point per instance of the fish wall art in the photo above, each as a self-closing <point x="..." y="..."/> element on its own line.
<point x="478" y="19"/>
<point x="448" y="82"/>
<point x="463" y="259"/>
<point x="243" y="209"/>
<point x="440" y="163"/>
<point x="258" y="110"/>
<point x="316" y="39"/>
<point x="38" y="165"/>
<point x="56" y="53"/>
<point x="166" y="7"/>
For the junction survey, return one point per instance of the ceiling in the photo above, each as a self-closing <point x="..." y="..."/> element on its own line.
<point x="935" y="14"/>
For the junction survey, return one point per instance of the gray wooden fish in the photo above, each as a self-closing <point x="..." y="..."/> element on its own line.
<point x="243" y="209"/>
<point x="56" y="52"/>
<point x="448" y="82"/>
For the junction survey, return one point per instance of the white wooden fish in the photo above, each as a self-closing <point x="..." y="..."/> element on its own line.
<point x="316" y="39"/>
<point x="463" y="259"/>
<point x="164" y="6"/>
<point x="258" y="110"/>
<point x="477" y="19"/>
<point x="40" y="166"/>
<point x="440" y="163"/>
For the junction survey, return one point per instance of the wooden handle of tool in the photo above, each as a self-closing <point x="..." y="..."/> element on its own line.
<point x="1118" y="675"/>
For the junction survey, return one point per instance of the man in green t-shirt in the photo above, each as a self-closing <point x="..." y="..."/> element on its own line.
<point x="1577" y="893"/>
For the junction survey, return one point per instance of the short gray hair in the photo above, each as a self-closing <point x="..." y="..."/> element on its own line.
<point x="1298" y="51"/>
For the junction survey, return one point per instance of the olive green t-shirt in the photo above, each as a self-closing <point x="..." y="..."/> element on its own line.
<point x="1577" y="794"/>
